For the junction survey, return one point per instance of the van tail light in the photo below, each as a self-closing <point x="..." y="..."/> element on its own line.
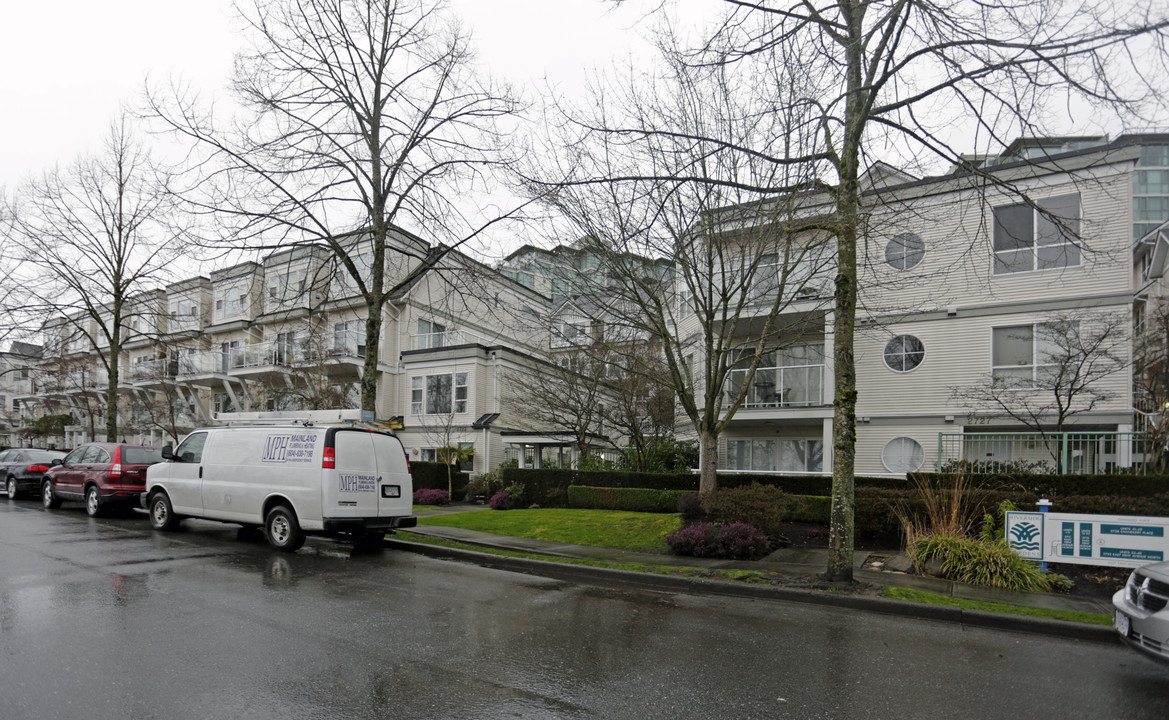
<point x="408" y="464"/>
<point x="116" y="467"/>
<point x="330" y="460"/>
<point x="38" y="468"/>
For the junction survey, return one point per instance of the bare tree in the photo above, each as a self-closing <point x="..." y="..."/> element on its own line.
<point x="861" y="79"/>
<point x="742" y="259"/>
<point x="363" y="116"/>
<point x="1046" y="373"/>
<point x="92" y="236"/>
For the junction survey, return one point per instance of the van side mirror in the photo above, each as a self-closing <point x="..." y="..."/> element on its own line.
<point x="168" y="452"/>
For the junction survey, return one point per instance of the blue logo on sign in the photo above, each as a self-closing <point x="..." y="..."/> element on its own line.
<point x="1023" y="537"/>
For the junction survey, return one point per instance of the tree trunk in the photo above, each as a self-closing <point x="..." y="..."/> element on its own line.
<point x="708" y="461"/>
<point x="369" y="371"/>
<point x="112" y="387"/>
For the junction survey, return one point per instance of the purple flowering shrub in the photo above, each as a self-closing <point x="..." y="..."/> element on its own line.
<point x="430" y="496"/>
<point x="500" y="501"/>
<point x="736" y="541"/>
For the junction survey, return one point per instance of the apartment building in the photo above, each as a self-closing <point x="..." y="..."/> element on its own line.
<point x="965" y="288"/>
<point x="286" y="333"/>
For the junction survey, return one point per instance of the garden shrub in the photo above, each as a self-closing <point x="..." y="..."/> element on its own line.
<point x="630" y="499"/>
<point x="1051" y="485"/>
<point x="736" y="541"/>
<point x="432" y="475"/>
<point x="760" y="506"/>
<point x="690" y="507"/>
<point x="501" y="501"/>
<point x="429" y="496"/>
<point x="976" y="562"/>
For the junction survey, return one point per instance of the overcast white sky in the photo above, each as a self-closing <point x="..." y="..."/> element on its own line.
<point x="69" y="63"/>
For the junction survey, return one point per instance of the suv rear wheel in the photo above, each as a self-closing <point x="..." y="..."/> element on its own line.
<point x="48" y="499"/>
<point x="283" y="530"/>
<point x="92" y="501"/>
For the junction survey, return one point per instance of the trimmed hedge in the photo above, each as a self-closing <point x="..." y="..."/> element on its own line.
<point x="1060" y="485"/>
<point x="432" y="476"/>
<point x="630" y="499"/>
<point x="548" y="487"/>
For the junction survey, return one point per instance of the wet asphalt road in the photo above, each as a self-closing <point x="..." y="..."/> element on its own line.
<point x="107" y="619"/>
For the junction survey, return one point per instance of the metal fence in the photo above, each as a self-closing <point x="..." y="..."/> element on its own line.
<point x="1057" y="453"/>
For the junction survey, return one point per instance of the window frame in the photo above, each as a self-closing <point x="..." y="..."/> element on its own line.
<point x="1034" y="366"/>
<point x="1007" y="243"/>
<point x="904" y="355"/>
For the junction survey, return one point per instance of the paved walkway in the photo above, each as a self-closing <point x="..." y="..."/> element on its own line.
<point x="793" y="562"/>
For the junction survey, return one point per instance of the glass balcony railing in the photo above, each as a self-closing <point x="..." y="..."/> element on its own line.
<point x="776" y="387"/>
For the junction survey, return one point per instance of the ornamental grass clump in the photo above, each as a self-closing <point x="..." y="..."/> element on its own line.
<point x="429" y="496"/>
<point x="979" y="562"/>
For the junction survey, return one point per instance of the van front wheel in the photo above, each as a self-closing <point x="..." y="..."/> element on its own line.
<point x="283" y="530"/>
<point x="162" y="515"/>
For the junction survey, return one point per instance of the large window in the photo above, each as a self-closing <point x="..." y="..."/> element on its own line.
<point x="1027" y="356"/>
<point x="795" y="455"/>
<point x="1030" y="238"/>
<point x="438" y="394"/>
<point x="231" y="301"/>
<point x="431" y="335"/>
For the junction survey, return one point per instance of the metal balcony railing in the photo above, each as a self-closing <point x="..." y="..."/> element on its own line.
<point x="1063" y="453"/>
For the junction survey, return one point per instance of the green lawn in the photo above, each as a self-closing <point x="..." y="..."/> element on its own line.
<point x="920" y="596"/>
<point x="645" y="532"/>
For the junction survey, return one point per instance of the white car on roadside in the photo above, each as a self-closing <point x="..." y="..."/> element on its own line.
<point x="1141" y="610"/>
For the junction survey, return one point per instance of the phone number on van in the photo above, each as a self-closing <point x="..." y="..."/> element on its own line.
<point x="294" y="447"/>
<point x="356" y="483"/>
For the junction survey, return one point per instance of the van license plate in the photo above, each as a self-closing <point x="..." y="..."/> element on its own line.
<point x="1122" y="623"/>
<point x="391" y="491"/>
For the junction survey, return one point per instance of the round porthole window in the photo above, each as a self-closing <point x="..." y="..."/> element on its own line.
<point x="903" y="353"/>
<point x="905" y="251"/>
<point x="903" y="454"/>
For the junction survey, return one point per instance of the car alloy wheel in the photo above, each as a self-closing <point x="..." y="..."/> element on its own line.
<point x="47" y="498"/>
<point x="92" y="501"/>
<point x="11" y="488"/>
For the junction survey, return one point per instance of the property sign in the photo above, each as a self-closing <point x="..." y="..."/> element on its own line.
<point x="1109" y="540"/>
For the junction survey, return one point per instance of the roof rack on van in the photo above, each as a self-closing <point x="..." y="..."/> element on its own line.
<point x="302" y="417"/>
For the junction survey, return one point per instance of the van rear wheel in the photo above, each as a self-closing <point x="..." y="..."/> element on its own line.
<point x="283" y="530"/>
<point x="162" y="515"/>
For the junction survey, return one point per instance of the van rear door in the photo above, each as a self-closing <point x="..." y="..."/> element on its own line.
<point x="395" y="488"/>
<point x="352" y="491"/>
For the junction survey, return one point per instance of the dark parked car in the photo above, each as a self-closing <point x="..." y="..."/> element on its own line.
<point x="23" y="469"/>
<point x="99" y="475"/>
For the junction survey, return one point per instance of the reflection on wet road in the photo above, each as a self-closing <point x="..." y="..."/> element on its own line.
<point x="107" y="619"/>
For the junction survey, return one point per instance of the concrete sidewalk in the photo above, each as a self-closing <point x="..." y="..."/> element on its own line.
<point x="794" y="563"/>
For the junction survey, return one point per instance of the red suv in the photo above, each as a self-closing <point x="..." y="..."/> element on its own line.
<point x="100" y="475"/>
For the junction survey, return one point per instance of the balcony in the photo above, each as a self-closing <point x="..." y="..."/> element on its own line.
<point x="780" y="387"/>
<point x="431" y="341"/>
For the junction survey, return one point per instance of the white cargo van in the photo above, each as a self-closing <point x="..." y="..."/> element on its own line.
<point x="292" y="480"/>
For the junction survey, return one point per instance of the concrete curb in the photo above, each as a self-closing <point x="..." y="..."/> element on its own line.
<point x="702" y="586"/>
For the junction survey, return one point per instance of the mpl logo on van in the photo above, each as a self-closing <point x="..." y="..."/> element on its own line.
<point x="289" y="447"/>
<point x="350" y="483"/>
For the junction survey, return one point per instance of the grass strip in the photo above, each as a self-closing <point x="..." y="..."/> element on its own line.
<point x="677" y="570"/>
<point x="642" y="532"/>
<point x="929" y="598"/>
